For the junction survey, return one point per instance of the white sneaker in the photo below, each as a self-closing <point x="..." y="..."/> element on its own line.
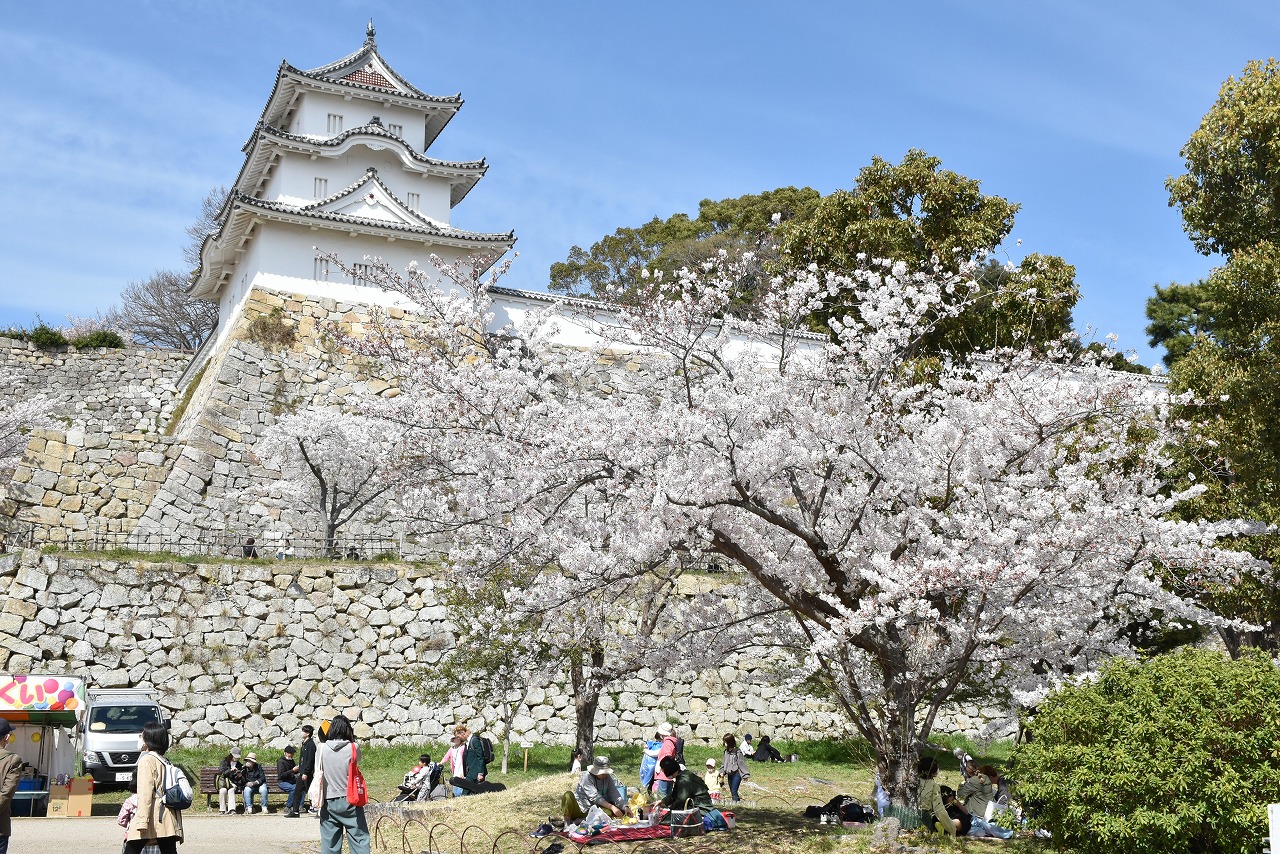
<point x="262" y="810"/>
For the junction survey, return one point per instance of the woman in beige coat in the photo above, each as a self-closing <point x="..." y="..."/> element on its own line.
<point x="153" y="823"/>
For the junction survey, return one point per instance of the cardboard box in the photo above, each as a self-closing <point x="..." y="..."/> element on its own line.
<point x="72" y="801"/>
<point x="59" y="799"/>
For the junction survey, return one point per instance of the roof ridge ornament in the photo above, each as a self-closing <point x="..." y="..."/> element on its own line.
<point x="369" y="32"/>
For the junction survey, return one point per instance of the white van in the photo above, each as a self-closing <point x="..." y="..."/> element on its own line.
<point x="112" y="728"/>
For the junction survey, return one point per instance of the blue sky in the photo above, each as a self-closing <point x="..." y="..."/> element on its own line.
<point x="595" y="115"/>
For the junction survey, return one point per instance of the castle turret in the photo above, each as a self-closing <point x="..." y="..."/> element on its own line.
<point x="338" y="164"/>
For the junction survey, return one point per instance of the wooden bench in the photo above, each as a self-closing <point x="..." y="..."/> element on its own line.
<point x="209" y="783"/>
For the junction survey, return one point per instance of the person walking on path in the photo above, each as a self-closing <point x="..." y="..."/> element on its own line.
<point x="10" y="773"/>
<point x="734" y="766"/>
<point x="337" y="816"/>
<point x="153" y="823"/>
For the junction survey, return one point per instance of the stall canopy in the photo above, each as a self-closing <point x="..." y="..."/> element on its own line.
<point x="41" y="700"/>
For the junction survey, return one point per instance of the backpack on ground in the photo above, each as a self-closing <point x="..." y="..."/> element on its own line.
<point x="176" y="787"/>
<point x="486" y="749"/>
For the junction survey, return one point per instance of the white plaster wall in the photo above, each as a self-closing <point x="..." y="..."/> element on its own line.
<point x="293" y="181"/>
<point x="312" y="117"/>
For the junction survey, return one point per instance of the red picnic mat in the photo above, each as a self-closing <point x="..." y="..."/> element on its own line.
<point x="619" y="834"/>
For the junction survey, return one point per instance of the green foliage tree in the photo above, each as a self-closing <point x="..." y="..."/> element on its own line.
<point x="1230" y="194"/>
<point x="1178" y="313"/>
<point x="1175" y="754"/>
<point x="611" y="269"/>
<point x="914" y="211"/>
<point x="1220" y="334"/>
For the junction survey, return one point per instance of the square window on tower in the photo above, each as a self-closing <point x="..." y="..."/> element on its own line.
<point x="361" y="274"/>
<point x="414" y="201"/>
<point x="322" y="188"/>
<point x="321" y="270"/>
<point x="335" y="123"/>
<point x="398" y="130"/>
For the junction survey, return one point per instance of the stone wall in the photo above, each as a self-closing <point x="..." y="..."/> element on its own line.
<point x="84" y="485"/>
<point x="105" y="390"/>
<point x="235" y="656"/>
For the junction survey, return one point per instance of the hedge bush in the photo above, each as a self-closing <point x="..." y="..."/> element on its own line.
<point x="100" y="338"/>
<point x="1180" y="753"/>
<point x="46" y="337"/>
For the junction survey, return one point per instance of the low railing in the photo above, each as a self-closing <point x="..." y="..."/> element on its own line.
<point x="227" y="544"/>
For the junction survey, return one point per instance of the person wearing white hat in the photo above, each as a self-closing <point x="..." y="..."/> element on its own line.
<point x="712" y="779"/>
<point x="597" y="787"/>
<point x="255" y="781"/>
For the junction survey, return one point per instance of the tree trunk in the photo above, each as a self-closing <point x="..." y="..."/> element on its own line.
<point x="897" y="750"/>
<point x="586" y="699"/>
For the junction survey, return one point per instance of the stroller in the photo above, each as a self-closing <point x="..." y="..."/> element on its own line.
<point x="423" y="786"/>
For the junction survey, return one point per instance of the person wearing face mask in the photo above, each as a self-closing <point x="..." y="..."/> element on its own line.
<point x="154" y="824"/>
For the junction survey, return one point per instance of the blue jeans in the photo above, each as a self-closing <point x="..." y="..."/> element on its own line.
<point x="338" y="817"/>
<point x="248" y="796"/>
<point x="664" y="786"/>
<point x="459" y="792"/>
<point x="734" y="779"/>
<point x="979" y="826"/>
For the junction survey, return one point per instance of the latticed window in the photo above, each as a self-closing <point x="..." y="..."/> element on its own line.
<point x="322" y="188"/>
<point x="321" y="273"/>
<point x="335" y="123"/>
<point x="398" y="130"/>
<point x="414" y="201"/>
<point x="362" y="273"/>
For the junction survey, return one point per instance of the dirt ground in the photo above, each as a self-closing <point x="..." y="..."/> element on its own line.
<point x="205" y="834"/>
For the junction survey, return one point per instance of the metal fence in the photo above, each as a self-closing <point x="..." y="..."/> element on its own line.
<point x="226" y="544"/>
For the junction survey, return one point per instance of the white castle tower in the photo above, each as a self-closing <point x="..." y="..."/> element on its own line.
<point x="338" y="164"/>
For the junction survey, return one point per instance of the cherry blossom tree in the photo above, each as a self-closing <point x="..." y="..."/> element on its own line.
<point x="336" y="462"/>
<point x="20" y="413"/>
<point x="924" y="524"/>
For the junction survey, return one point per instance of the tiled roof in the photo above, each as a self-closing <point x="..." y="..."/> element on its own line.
<point x="370" y="130"/>
<point x="411" y="94"/>
<point x="423" y="226"/>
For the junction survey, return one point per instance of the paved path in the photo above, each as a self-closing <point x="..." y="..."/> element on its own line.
<point x="206" y="834"/>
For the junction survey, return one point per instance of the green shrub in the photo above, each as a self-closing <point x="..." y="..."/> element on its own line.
<point x="46" y="337"/>
<point x="100" y="338"/>
<point x="1175" y="754"/>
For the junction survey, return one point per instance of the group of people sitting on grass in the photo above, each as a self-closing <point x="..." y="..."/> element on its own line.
<point x="968" y="810"/>
<point x="664" y="776"/>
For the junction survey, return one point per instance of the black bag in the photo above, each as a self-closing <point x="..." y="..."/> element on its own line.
<point x="486" y="749"/>
<point x="848" y="809"/>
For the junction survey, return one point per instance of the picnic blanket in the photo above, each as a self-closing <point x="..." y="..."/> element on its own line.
<point x="619" y="834"/>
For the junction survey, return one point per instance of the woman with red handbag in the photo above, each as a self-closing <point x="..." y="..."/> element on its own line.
<point x="343" y="794"/>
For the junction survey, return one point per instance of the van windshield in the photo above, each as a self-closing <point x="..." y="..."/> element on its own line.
<point x="122" y="718"/>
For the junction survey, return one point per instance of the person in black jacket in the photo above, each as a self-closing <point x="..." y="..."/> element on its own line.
<point x="287" y="777"/>
<point x="306" y="771"/>
<point x="766" y="752"/>
<point x="255" y="780"/>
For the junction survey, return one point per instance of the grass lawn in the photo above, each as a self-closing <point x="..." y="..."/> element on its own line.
<point x="770" y="817"/>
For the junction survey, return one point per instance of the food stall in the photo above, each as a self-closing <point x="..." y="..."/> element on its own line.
<point x="44" y="710"/>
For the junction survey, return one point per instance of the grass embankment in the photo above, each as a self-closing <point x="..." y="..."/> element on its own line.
<point x="770" y="817"/>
